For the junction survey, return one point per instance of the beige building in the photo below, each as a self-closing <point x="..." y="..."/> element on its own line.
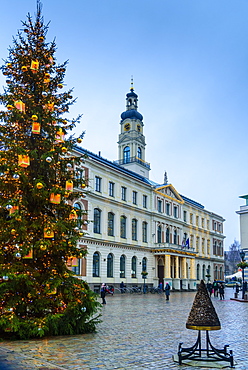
<point x="134" y="224"/>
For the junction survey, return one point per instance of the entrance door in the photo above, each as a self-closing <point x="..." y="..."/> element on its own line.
<point x="161" y="274"/>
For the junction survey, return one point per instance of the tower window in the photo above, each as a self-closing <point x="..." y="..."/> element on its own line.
<point x="126" y="154"/>
<point x="139" y="153"/>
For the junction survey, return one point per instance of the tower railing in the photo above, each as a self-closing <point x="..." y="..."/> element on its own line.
<point x="132" y="160"/>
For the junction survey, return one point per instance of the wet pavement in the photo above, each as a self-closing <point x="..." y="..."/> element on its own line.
<point x="137" y="332"/>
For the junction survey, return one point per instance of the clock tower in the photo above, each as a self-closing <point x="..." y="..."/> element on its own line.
<point x="131" y="142"/>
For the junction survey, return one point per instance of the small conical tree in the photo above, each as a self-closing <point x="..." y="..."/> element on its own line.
<point x="39" y="228"/>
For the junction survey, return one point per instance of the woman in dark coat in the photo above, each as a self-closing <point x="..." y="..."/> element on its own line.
<point x="167" y="291"/>
<point x="103" y="293"/>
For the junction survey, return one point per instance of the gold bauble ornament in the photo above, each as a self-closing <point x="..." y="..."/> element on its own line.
<point x="79" y="140"/>
<point x="64" y="149"/>
<point x="34" y="117"/>
<point x="39" y="185"/>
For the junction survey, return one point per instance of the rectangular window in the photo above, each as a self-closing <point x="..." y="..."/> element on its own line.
<point x="98" y="184"/>
<point x="111" y="189"/>
<point x="208" y="224"/>
<point x="144" y="201"/>
<point x="168" y="209"/>
<point x="197" y="220"/>
<point x="185" y="216"/>
<point x="123" y="193"/>
<point x="134" y="229"/>
<point x="159" y="205"/>
<point x="144" y="232"/>
<point x="175" y="212"/>
<point x="203" y="223"/>
<point x="134" y="197"/>
<point x="123" y="224"/>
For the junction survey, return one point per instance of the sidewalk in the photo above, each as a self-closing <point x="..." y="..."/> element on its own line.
<point x="138" y="332"/>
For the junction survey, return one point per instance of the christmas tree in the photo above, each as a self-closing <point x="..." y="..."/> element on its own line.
<point x="39" y="227"/>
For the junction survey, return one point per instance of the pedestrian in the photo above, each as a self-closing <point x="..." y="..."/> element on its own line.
<point x="103" y="293"/>
<point x="122" y="286"/>
<point x="167" y="291"/>
<point x="215" y="286"/>
<point x="160" y="286"/>
<point x="209" y="288"/>
<point x="222" y="291"/>
<point x="237" y="288"/>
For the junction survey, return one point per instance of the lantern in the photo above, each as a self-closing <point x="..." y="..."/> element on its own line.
<point x="69" y="185"/>
<point x="47" y="78"/>
<point x="48" y="233"/>
<point x="34" y="66"/>
<point x="23" y="160"/>
<point x="60" y="136"/>
<point x="29" y="255"/>
<point x="35" y="128"/>
<point x="20" y="105"/>
<point x="13" y="209"/>
<point x="55" y="198"/>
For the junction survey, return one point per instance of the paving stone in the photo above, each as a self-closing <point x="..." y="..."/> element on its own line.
<point x="140" y="332"/>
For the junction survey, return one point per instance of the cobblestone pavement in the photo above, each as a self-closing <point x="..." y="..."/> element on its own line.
<point x="137" y="332"/>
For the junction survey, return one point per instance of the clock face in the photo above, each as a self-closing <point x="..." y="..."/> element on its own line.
<point x="138" y="128"/>
<point x="127" y="127"/>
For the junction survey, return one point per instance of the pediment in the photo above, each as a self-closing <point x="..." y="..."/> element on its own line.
<point x="168" y="191"/>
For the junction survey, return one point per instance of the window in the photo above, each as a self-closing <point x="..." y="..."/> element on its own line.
<point x="203" y="222"/>
<point x="134" y="229"/>
<point x="159" y="234"/>
<point x="134" y="267"/>
<point x="122" y="266"/>
<point x="126" y="155"/>
<point x="208" y="224"/>
<point x="98" y="184"/>
<point x="168" y="209"/>
<point x="110" y="265"/>
<point x="208" y="246"/>
<point x="144" y="201"/>
<point x="144" y="232"/>
<point x="76" y="269"/>
<point x="185" y="216"/>
<point x="139" y="153"/>
<point x="78" y="209"/>
<point x="97" y="221"/>
<point x="123" y="226"/>
<point x="167" y="235"/>
<point x="96" y="264"/>
<point x="197" y="244"/>
<point x="175" y="212"/>
<point x="203" y="245"/>
<point x="203" y="272"/>
<point x="123" y="193"/>
<point x="198" y="272"/>
<point x="79" y="177"/>
<point x="197" y="220"/>
<point x="175" y="237"/>
<point x="159" y="205"/>
<point x="111" y="189"/>
<point x="134" y="197"/>
<point x="144" y="264"/>
<point x="110" y="224"/>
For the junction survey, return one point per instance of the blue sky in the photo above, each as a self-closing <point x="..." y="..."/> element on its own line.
<point x="189" y="61"/>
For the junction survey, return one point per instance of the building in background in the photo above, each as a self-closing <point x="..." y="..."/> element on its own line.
<point x="135" y="225"/>
<point x="243" y="218"/>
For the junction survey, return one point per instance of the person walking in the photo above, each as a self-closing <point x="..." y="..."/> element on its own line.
<point x="103" y="293"/>
<point x="222" y="291"/>
<point x="209" y="288"/>
<point x="167" y="291"/>
<point x="215" y="286"/>
<point x="122" y="287"/>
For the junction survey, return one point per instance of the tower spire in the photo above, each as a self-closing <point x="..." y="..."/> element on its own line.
<point x="132" y="88"/>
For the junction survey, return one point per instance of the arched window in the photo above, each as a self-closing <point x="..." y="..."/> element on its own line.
<point x="96" y="264"/>
<point x="198" y="272"/>
<point x="97" y="221"/>
<point x="144" y="264"/>
<point x="139" y="153"/>
<point x="144" y="232"/>
<point x="123" y="225"/>
<point x="221" y="275"/>
<point x="126" y="154"/>
<point x="203" y="272"/>
<point x="167" y="235"/>
<point x="110" y="265"/>
<point x="111" y="224"/>
<point x="134" y="229"/>
<point x="216" y="273"/>
<point x="122" y="266"/>
<point x="134" y="267"/>
<point x="78" y="209"/>
<point x="175" y="237"/>
<point x="159" y="232"/>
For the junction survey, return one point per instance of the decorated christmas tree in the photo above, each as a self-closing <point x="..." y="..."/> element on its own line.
<point x="39" y="227"/>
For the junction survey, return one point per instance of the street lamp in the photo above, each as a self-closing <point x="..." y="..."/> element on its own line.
<point x="243" y="266"/>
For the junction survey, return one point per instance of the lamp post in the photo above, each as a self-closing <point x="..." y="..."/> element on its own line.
<point x="242" y="265"/>
<point x="144" y="275"/>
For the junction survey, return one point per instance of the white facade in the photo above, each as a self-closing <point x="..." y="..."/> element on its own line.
<point x="135" y="225"/>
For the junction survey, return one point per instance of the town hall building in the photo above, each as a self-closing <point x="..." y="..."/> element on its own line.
<point x="134" y="225"/>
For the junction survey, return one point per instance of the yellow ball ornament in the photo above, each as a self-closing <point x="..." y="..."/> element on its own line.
<point x="34" y="117"/>
<point x="64" y="149"/>
<point x="39" y="185"/>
